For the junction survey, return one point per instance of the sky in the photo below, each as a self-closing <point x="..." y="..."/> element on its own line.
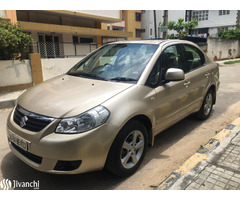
<point x="122" y="5"/>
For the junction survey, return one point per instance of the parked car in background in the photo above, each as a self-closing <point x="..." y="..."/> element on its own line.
<point x="106" y="110"/>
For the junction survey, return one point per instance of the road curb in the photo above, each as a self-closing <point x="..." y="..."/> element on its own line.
<point x="199" y="157"/>
<point x="7" y="104"/>
<point x="8" y="99"/>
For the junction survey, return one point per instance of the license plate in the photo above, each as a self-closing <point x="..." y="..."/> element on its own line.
<point x="22" y="143"/>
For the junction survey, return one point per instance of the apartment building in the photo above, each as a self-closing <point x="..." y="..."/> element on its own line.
<point x="66" y="33"/>
<point x="211" y="21"/>
<point x="131" y="22"/>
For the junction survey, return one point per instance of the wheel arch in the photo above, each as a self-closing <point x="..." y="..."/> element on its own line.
<point x="213" y="88"/>
<point x="148" y="124"/>
<point x="145" y="122"/>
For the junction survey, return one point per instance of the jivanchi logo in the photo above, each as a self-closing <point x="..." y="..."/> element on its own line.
<point x="6" y="184"/>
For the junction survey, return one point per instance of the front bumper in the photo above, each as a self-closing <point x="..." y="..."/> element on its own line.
<point x="47" y="150"/>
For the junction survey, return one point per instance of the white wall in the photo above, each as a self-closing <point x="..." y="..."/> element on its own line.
<point x="3" y="13"/>
<point x="148" y="23"/>
<point x="57" y="66"/>
<point x="14" y="72"/>
<point x="223" y="49"/>
<point x="216" y="20"/>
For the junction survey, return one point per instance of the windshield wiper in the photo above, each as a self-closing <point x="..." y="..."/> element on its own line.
<point x="122" y="79"/>
<point x="87" y="75"/>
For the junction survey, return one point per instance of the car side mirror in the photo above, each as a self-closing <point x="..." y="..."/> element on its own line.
<point x="174" y="74"/>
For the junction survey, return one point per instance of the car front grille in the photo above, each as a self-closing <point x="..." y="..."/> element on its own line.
<point x="30" y="121"/>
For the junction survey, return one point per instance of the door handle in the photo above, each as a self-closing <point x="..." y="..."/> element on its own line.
<point x="186" y="84"/>
<point x="207" y="74"/>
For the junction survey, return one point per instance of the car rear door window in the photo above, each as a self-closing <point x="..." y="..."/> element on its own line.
<point x="193" y="56"/>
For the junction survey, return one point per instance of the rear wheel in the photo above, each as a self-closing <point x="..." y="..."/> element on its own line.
<point x="128" y="149"/>
<point x="207" y="105"/>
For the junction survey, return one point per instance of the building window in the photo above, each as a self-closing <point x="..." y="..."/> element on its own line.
<point x="86" y="40"/>
<point x="200" y="15"/>
<point x="117" y="28"/>
<point x="223" y="28"/>
<point x="224" y="12"/>
<point x="150" y="31"/>
<point x="138" y="32"/>
<point x="49" y="46"/>
<point x="75" y="39"/>
<point x="123" y="15"/>
<point x="194" y="31"/>
<point x="138" y="16"/>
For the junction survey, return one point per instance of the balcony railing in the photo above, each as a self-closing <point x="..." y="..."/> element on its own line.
<point x="63" y="49"/>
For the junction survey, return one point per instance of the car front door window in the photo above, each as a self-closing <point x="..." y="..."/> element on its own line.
<point x="172" y="57"/>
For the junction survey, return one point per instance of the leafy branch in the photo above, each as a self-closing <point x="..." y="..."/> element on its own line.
<point x="181" y="27"/>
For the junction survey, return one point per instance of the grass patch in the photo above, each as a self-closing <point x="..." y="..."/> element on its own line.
<point x="231" y="62"/>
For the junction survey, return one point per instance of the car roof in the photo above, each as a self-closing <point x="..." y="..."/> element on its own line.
<point x="151" y="41"/>
<point x="139" y="41"/>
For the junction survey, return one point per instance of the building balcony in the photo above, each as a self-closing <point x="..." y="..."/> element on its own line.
<point x="53" y="28"/>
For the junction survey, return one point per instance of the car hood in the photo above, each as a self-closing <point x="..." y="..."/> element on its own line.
<point x="66" y="96"/>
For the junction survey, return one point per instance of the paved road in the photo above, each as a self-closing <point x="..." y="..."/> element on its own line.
<point x="170" y="150"/>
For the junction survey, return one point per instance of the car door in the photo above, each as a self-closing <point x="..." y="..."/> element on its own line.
<point x="172" y="97"/>
<point x="198" y="74"/>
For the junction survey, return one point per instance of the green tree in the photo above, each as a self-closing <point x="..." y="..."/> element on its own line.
<point x="180" y="26"/>
<point x="191" y="24"/>
<point x="14" y="44"/>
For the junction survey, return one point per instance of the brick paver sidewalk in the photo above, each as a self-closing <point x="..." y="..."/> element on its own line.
<point x="219" y="171"/>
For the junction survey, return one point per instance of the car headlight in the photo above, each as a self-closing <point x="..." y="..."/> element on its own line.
<point x="84" y="122"/>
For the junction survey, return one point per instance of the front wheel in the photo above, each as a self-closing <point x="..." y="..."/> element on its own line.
<point x="128" y="149"/>
<point x="207" y="105"/>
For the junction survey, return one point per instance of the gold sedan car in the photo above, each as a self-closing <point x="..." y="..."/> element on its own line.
<point x="106" y="110"/>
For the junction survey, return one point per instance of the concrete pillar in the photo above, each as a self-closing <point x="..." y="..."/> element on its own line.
<point x="12" y="15"/>
<point x="37" y="75"/>
<point x="99" y="38"/>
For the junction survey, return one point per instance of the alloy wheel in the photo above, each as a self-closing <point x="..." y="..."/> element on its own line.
<point x="132" y="149"/>
<point x="208" y="104"/>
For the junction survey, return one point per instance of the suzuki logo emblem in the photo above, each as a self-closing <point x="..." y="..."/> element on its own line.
<point x="23" y="121"/>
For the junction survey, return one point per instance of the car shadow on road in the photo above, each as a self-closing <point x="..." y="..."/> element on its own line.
<point x="14" y="169"/>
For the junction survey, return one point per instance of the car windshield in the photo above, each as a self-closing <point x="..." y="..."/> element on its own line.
<point x="116" y="62"/>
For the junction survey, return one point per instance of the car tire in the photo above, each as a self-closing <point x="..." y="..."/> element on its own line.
<point x="128" y="149"/>
<point x="206" y="107"/>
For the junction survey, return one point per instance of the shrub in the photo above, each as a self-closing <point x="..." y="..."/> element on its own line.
<point x="229" y="34"/>
<point x="172" y="36"/>
<point x="14" y="44"/>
